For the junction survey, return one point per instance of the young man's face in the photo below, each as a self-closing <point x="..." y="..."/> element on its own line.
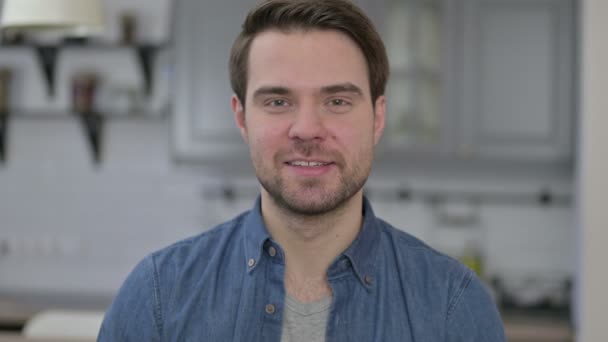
<point x="309" y="119"/>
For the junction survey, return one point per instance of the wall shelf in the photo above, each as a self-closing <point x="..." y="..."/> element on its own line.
<point x="92" y="123"/>
<point x="47" y="56"/>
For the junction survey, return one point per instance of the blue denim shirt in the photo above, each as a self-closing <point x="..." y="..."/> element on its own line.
<point x="225" y="285"/>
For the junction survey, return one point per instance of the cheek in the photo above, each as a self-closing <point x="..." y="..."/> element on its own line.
<point x="353" y="133"/>
<point x="266" y="139"/>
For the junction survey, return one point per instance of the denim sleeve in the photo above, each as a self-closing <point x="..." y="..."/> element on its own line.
<point x="134" y="314"/>
<point x="472" y="316"/>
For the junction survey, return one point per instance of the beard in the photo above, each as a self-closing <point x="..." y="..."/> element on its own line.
<point x="314" y="196"/>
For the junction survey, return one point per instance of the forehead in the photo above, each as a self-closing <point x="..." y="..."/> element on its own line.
<point x="305" y="60"/>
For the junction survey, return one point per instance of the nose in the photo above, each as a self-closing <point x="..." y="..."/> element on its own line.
<point x="308" y="124"/>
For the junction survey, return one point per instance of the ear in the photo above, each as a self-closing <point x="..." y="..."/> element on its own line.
<point x="239" y="116"/>
<point x="379" y="118"/>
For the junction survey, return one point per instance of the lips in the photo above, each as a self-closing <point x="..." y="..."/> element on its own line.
<point x="308" y="163"/>
<point x="308" y="168"/>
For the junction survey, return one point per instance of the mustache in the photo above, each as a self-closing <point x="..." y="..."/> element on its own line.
<point x="307" y="148"/>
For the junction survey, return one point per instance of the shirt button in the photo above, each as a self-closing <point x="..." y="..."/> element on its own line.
<point x="272" y="251"/>
<point x="368" y="280"/>
<point x="270" y="309"/>
<point x="251" y="262"/>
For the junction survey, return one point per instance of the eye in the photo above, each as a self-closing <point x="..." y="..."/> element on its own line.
<point x="338" y="102"/>
<point x="339" y="105"/>
<point x="277" y="105"/>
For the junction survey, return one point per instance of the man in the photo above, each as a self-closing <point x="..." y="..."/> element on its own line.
<point x="310" y="261"/>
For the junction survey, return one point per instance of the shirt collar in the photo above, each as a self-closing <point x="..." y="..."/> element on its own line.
<point x="360" y="253"/>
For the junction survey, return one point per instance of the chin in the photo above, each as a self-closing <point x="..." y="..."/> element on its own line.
<point x="310" y="208"/>
<point x="312" y="203"/>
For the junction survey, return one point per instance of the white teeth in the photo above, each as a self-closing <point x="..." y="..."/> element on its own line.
<point x="305" y="163"/>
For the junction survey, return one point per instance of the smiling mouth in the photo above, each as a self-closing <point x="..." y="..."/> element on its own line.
<point x="303" y="163"/>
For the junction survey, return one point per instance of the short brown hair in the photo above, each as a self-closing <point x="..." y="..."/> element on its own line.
<point x="288" y="15"/>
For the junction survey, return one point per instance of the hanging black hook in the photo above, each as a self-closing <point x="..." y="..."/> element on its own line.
<point x="47" y="57"/>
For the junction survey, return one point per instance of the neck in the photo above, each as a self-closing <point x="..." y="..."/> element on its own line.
<point x="311" y="243"/>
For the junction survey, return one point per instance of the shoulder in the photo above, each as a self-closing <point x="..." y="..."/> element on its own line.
<point x="145" y="292"/>
<point x="201" y="246"/>
<point x="425" y="269"/>
<point x="416" y="251"/>
<point x="184" y="260"/>
<point x="444" y="284"/>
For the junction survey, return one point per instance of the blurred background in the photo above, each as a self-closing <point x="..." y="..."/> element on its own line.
<point x="117" y="144"/>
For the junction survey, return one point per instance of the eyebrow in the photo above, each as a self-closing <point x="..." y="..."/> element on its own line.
<point x="342" y="88"/>
<point x="331" y="89"/>
<point x="271" y="90"/>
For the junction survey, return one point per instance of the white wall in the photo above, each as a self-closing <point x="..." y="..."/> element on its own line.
<point x="593" y="171"/>
<point x="69" y="225"/>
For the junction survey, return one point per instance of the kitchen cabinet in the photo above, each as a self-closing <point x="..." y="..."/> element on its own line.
<point x="480" y="79"/>
<point x="473" y="79"/>
<point x="515" y="81"/>
<point x="414" y="35"/>
<point x="204" y="128"/>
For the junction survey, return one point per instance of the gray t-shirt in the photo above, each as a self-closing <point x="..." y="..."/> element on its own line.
<point x="305" y="322"/>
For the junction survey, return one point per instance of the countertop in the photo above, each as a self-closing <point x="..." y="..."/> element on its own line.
<point x="16" y="337"/>
<point x="17" y="308"/>
<point x="524" y="326"/>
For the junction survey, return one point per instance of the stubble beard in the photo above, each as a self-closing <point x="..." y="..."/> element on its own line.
<point x="312" y="197"/>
